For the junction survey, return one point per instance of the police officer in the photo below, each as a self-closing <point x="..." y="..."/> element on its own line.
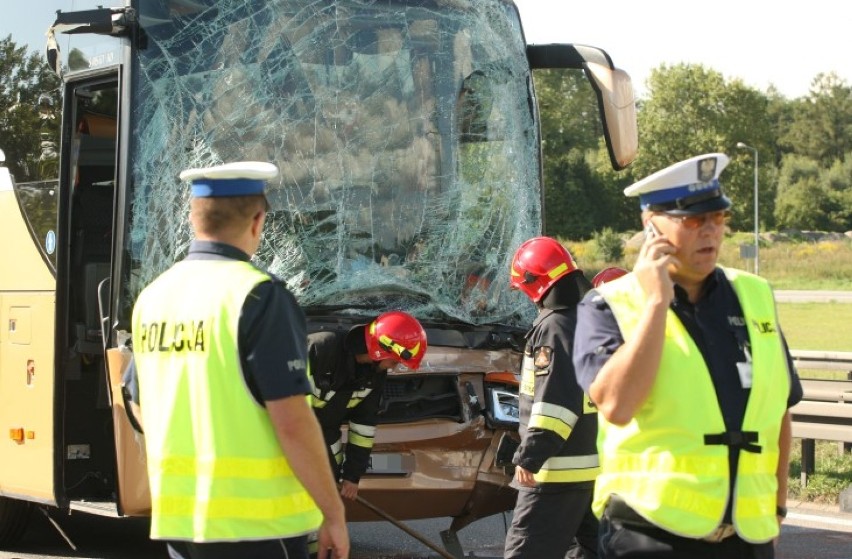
<point x="556" y="462"/>
<point x="348" y="371"/>
<point x="236" y="461"/>
<point x="693" y="380"/>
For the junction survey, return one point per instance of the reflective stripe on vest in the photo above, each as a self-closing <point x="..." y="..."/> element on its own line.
<point x="207" y="483"/>
<point x="659" y="462"/>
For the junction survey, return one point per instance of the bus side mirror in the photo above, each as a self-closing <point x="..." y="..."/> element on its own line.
<point x="614" y="91"/>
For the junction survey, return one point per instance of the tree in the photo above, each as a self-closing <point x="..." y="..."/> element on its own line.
<point x="29" y="119"/>
<point x="838" y="178"/>
<point x="821" y="125"/>
<point x="805" y="201"/>
<point x="693" y="110"/>
<point x="577" y="201"/>
<point x="572" y="208"/>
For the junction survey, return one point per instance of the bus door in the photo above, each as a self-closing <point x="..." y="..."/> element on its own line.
<point x="86" y="457"/>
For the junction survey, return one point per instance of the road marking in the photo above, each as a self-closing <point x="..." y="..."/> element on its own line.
<point x="820" y="519"/>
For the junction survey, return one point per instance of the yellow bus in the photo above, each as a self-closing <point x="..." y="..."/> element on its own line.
<point x="407" y="135"/>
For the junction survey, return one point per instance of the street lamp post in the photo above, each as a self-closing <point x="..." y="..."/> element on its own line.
<point x="741" y="145"/>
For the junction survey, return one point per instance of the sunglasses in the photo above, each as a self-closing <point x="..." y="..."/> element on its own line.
<point x="696" y="221"/>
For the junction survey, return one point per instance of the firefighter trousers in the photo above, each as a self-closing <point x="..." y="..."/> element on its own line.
<point x="554" y="523"/>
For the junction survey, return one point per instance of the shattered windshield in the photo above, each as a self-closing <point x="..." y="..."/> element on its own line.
<point x="404" y="133"/>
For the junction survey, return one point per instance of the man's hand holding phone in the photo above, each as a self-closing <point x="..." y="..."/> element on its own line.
<point x="656" y="263"/>
<point x="651" y="230"/>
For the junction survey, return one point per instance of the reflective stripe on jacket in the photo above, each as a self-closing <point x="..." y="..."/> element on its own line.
<point x="558" y="427"/>
<point x="207" y="482"/>
<point x="660" y="463"/>
<point x="344" y="392"/>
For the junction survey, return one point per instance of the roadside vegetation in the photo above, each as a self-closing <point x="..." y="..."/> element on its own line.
<point x="792" y="262"/>
<point x="819" y="326"/>
<point x="833" y="473"/>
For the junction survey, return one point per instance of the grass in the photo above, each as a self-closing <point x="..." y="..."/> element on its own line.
<point x="824" y="265"/>
<point x="816" y="326"/>
<point x="797" y="265"/>
<point x="833" y="473"/>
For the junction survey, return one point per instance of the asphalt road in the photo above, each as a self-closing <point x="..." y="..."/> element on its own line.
<point x="796" y="296"/>
<point x="808" y="534"/>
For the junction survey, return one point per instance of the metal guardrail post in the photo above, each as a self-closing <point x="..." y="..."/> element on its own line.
<point x="823" y="391"/>
<point x="808" y="460"/>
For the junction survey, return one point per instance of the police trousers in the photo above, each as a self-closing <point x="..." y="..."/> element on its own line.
<point x="290" y="548"/>
<point x="556" y="523"/>
<point x="624" y="534"/>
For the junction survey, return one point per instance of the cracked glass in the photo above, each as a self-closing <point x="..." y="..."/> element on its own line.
<point x="404" y="133"/>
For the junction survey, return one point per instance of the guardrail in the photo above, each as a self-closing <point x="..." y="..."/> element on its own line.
<point x="823" y="360"/>
<point x="825" y="412"/>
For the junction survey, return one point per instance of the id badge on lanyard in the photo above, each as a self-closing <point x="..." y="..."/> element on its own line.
<point x="744" y="368"/>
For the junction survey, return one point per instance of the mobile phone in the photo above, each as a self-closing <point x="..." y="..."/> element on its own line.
<point x="651" y="230"/>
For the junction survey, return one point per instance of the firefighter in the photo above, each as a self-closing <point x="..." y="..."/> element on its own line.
<point x="236" y="461"/>
<point x="556" y="461"/>
<point x="607" y="275"/>
<point x="348" y="371"/>
<point x="693" y="381"/>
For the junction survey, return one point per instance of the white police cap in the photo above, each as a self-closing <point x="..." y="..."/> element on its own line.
<point x="242" y="178"/>
<point x="687" y="187"/>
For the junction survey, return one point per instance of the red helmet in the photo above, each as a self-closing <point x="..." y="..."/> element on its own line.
<point x="607" y="275"/>
<point x="396" y="335"/>
<point x="537" y="264"/>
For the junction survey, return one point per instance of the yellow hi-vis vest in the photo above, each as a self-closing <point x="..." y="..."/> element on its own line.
<point x="216" y="470"/>
<point x="659" y="462"/>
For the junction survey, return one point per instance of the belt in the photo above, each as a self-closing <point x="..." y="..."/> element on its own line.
<point x="619" y="510"/>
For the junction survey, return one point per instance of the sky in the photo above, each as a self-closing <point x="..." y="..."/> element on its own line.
<point x="762" y="42"/>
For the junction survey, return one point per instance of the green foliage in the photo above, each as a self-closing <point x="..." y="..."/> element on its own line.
<point x="833" y="473"/>
<point x="28" y="137"/>
<point x="838" y="179"/>
<point x="821" y="127"/>
<point x="610" y="247"/>
<point x="578" y="200"/>
<point x="787" y="263"/>
<point x="570" y="209"/>
<point x="814" y="198"/>
<point x="569" y="114"/>
<point x="691" y="110"/>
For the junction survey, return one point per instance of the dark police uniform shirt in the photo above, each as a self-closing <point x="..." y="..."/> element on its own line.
<point x="716" y="325"/>
<point x="271" y="333"/>
<point x="333" y="366"/>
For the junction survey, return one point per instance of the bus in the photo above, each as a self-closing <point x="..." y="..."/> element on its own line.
<point x="407" y="135"/>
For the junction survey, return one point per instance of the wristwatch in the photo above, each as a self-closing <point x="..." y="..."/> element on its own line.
<point x="781" y="511"/>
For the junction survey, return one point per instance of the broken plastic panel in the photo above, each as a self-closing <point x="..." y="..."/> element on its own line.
<point x="404" y="133"/>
